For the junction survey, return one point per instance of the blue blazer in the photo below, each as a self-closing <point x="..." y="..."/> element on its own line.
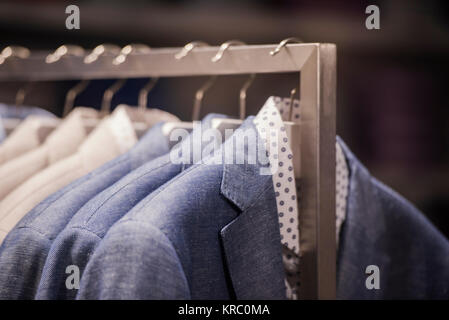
<point x="75" y="244"/>
<point x="210" y="233"/>
<point x="24" y="250"/>
<point x="385" y="230"/>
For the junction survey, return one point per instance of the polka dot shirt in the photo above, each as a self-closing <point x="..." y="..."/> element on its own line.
<point x="269" y="123"/>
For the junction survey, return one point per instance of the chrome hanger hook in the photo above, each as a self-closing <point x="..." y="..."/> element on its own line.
<point x="225" y="47"/>
<point x="143" y="93"/>
<point x="64" y="50"/>
<point x="130" y="49"/>
<point x="283" y="43"/>
<point x="72" y="94"/>
<point x="102" y="50"/>
<point x="98" y="51"/>
<point x="243" y="91"/>
<point x="292" y="96"/>
<point x="109" y="94"/>
<point x="189" y="47"/>
<point x="14" y="51"/>
<point x="22" y="92"/>
<point x="199" y="95"/>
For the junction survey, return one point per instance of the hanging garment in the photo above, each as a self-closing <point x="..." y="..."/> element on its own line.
<point x="29" y="135"/>
<point x="384" y="230"/>
<point x="210" y="233"/>
<point x="286" y="199"/>
<point x="75" y="244"/>
<point x="270" y="126"/>
<point x="20" y="113"/>
<point x="33" y="235"/>
<point x="2" y="132"/>
<point x="115" y="134"/>
<point x="62" y="142"/>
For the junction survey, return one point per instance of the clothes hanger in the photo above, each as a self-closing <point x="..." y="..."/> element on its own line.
<point x="65" y="51"/>
<point x="168" y="127"/>
<point x="104" y="49"/>
<point x="19" y="52"/>
<point x="199" y="95"/>
<point x="140" y="127"/>
<point x="109" y="94"/>
<point x="130" y="49"/>
<point x="223" y="47"/>
<point x="10" y="124"/>
<point x="72" y="94"/>
<point x="14" y="51"/>
<point x="143" y="93"/>
<point x="119" y="59"/>
<point x="223" y="124"/>
<point x="97" y="52"/>
<point x="292" y="128"/>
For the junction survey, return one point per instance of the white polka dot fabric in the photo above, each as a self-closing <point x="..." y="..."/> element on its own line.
<point x="271" y="128"/>
<point x="269" y="123"/>
<point x="342" y="188"/>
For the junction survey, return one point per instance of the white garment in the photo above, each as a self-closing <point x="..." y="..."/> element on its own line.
<point x="28" y="135"/>
<point x="114" y="136"/>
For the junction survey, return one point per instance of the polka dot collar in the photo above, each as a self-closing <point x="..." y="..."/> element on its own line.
<point x="269" y="123"/>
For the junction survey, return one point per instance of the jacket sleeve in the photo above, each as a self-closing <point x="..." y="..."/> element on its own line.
<point x="134" y="261"/>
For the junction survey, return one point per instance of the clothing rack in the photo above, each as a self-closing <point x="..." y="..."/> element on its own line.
<point x="316" y="64"/>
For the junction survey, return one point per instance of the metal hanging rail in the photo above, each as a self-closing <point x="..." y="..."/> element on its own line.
<point x="316" y="64"/>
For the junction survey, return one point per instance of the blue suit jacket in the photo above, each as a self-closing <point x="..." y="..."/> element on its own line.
<point x="24" y="250"/>
<point x="383" y="229"/>
<point x="75" y="244"/>
<point x="210" y="233"/>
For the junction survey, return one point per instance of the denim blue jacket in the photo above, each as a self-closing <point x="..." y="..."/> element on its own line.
<point x="24" y="250"/>
<point x="210" y="233"/>
<point x="78" y="240"/>
<point x="385" y="230"/>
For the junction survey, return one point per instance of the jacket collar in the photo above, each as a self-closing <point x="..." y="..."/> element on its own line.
<point x="243" y="183"/>
<point x="361" y="191"/>
<point x="251" y="242"/>
<point x="154" y="143"/>
<point x="362" y="234"/>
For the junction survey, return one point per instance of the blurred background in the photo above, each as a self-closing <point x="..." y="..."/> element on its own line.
<point x="393" y="88"/>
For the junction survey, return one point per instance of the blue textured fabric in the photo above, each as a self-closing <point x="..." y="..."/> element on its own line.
<point x="78" y="240"/>
<point x="210" y="233"/>
<point x="24" y="250"/>
<point x="2" y="131"/>
<point x="10" y="111"/>
<point x="385" y="230"/>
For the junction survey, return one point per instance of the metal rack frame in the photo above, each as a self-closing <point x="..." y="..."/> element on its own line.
<point x="316" y="64"/>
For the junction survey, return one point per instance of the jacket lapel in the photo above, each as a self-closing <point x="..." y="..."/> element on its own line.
<point x="251" y="242"/>
<point x="253" y="255"/>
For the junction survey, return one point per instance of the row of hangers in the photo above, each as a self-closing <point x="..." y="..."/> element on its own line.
<point x="120" y="56"/>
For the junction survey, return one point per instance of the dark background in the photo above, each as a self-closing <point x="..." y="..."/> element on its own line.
<point x="392" y="83"/>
